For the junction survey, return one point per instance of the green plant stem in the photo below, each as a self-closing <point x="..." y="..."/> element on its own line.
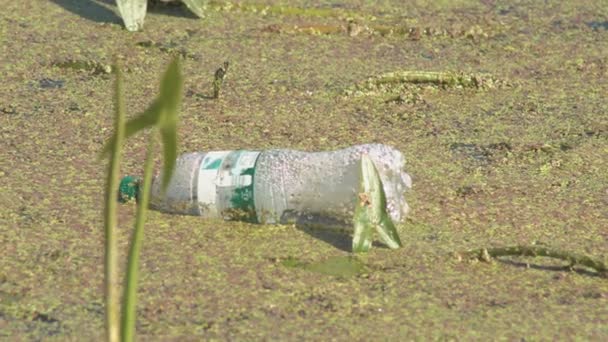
<point x="112" y="285"/>
<point x="484" y="254"/>
<point x="130" y="290"/>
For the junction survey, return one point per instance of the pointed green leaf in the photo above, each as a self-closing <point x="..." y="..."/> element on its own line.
<point x="388" y="232"/>
<point x="170" y="101"/>
<point x="372" y="187"/>
<point x="362" y="237"/>
<point x="366" y="214"/>
<point x="386" y="227"/>
<point x="197" y="6"/>
<point x="133" y="13"/>
<point x="372" y="201"/>
<point x="164" y="110"/>
<point x="162" y="113"/>
<point x="171" y="88"/>
<point x="169" y="139"/>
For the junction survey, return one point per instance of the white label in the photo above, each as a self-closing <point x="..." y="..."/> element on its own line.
<point x="206" y="190"/>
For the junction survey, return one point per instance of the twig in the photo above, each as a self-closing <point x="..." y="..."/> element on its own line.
<point x="485" y="254"/>
<point x="220" y="74"/>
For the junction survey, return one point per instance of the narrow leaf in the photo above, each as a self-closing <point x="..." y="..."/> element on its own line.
<point x="169" y="139"/>
<point x="163" y="113"/>
<point x="365" y="212"/>
<point x="373" y="202"/>
<point x="386" y="227"/>
<point x="362" y="237"/>
<point x="133" y="13"/>
<point x="388" y="232"/>
<point x="197" y="6"/>
<point x="170" y="101"/>
<point x="383" y="223"/>
<point x="171" y="88"/>
<point x="372" y="187"/>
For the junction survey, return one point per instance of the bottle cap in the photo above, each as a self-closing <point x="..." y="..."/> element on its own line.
<point x="128" y="189"/>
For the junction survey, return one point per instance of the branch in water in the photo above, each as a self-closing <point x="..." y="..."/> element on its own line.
<point x="485" y="254"/>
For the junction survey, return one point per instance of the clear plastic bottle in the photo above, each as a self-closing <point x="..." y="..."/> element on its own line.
<point x="280" y="186"/>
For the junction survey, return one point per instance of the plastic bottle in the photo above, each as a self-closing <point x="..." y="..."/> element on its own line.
<point x="278" y="186"/>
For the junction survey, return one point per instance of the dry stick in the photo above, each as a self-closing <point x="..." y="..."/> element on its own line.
<point x="484" y="254"/>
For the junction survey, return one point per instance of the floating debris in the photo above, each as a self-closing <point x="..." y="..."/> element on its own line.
<point x="47" y="83"/>
<point x="400" y="82"/>
<point x="306" y="29"/>
<point x="481" y="153"/>
<point x="406" y="98"/>
<point x="170" y="47"/>
<point x="488" y="254"/>
<point x="354" y="28"/>
<point x="445" y="79"/>
<point x="94" y="67"/>
<point x="597" y="25"/>
<point x="9" y="110"/>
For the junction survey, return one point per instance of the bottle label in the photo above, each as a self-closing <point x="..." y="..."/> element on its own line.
<point x="225" y="185"/>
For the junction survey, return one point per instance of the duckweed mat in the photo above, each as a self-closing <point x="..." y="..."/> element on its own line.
<point x="519" y="160"/>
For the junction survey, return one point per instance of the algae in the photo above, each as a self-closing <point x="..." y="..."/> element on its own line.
<point x="210" y="279"/>
<point x="339" y="266"/>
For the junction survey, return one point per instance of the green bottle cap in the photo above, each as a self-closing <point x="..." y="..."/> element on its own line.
<point x="128" y="189"/>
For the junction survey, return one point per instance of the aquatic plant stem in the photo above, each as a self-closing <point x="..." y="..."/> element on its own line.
<point x="112" y="285"/>
<point x="484" y="254"/>
<point x="432" y="77"/>
<point x="130" y="289"/>
<point x="218" y="80"/>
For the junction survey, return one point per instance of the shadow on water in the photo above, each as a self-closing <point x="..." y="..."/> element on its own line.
<point x="597" y="25"/>
<point x="339" y="240"/>
<point x="174" y="9"/>
<point x="91" y="10"/>
<point x="99" y="10"/>
<point x="322" y="227"/>
<point x="334" y="231"/>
